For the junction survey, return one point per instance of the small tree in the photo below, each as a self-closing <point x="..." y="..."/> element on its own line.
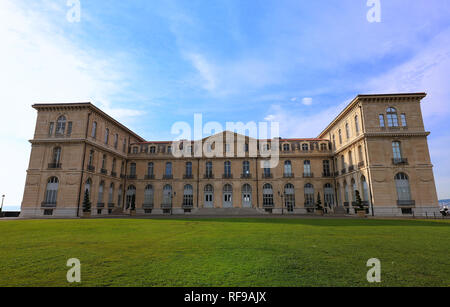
<point x="319" y="202"/>
<point x="86" y="202"/>
<point x="359" y="202"/>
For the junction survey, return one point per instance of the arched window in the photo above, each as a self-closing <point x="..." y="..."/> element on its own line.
<point x="131" y="197"/>
<point x="51" y="191"/>
<point x="227" y="169"/>
<point x="339" y="195"/>
<point x="287" y="169"/>
<point x="227" y="196"/>
<point x="267" y="195"/>
<point x="56" y="156"/>
<point x="365" y="189"/>
<point x="392" y="117"/>
<point x="111" y="194"/>
<point x="167" y="195"/>
<point x="307" y="168"/>
<point x="148" y="195"/>
<point x="289" y="197"/>
<point x="309" y="195"/>
<point x="209" y="196"/>
<point x="357" y="124"/>
<point x="328" y="195"/>
<point x="94" y="130"/>
<point x="106" y="136"/>
<point x="100" y="192"/>
<point x="119" y="196"/>
<point x="246" y="168"/>
<point x="209" y="170"/>
<point x="246" y="196"/>
<point x="169" y="169"/>
<point x="354" y="189"/>
<point x="61" y="125"/>
<point x="403" y="188"/>
<point x="188" y="196"/>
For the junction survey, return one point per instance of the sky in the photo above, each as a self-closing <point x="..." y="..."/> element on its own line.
<point x="152" y="63"/>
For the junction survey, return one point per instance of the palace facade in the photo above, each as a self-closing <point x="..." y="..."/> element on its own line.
<point x="377" y="147"/>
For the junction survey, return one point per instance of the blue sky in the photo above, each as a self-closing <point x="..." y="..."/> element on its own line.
<point x="152" y="63"/>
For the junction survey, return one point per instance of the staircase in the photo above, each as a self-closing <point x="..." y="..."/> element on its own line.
<point x="227" y="212"/>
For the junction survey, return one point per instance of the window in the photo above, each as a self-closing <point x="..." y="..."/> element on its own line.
<point x="227" y="148"/>
<point x="309" y="195"/>
<point x="51" y="192"/>
<point x="403" y="118"/>
<point x="188" y="196"/>
<point x="100" y="192"/>
<point x="133" y="169"/>
<point x="50" y="128"/>
<point x="227" y="196"/>
<point x="150" y="167"/>
<point x="392" y="117"/>
<point x="266" y="169"/>
<point x="227" y="169"/>
<point x="116" y="141"/>
<point x="402" y="185"/>
<point x="267" y="195"/>
<point x="382" y="124"/>
<point x="209" y="195"/>
<point x="396" y="150"/>
<point x="340" y="137"/>
<point x="346" y="198"/>
<point x="246" y="196"/>
<point x="148" y="195"/>
<point x="111" y="193"/>
<point x="56" y="156"/>
<point x="113" y="168"/>
<point x="135" y="150"/>
<point x="323" y="147"/>
<point x="104" y="162"/>
<point x="246" y="148"/>
<point x="347" y="131"/>
<point x="334" y="141"/>
<point x="307" y="168"/>
<point x="169" y="169"/>
<point x="365" y="189"/>
<point x="343" y="162"/>
<point x="152" y="149"/>
<point x="357" y="124"/>
<point x="328" y="195"/>
<point x="131" y="197"/>
<point x="119" y="197"/>
<point x="122" y="167"/>
<point x="124" y="145"/>
<point x="189" y="169"/>
<point x="286" y="147"/>
<point x="305" y="147"/>
<point x="287" y="168"/>
<point x="354" y="189"/>
<point x="326" y="168"/>
<point x="289" y="197"/>
<point x="94" y="130"/>
<point x="246" y="168"/>
<point x="106" y="136"/>
<point x="169" y="149"/>
<point x="360" y="154"/>
<point x="87" y="186"/>
<point x="61" y="125"/>
<point x="350" y="158"/>
<point x="209" y="169"/>
<point x="69" y="128"/>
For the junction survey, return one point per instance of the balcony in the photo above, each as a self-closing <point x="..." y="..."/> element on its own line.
<point x="267" y="176"/>
<point x="111" y="205"/>
<point x="351" y="168"/>
<point x="343" y="171"/>
<point x="104" y="171"/>
<point x="227" y="176"/>
<point x="122" y="176"/>
<point x="269" y="206"/>
<point x="246" y="176"/>
<point x="100" y="205"/>
<point x="149" y="177"/>
<point x="308" y="175"/>
<point x="166" y="206"/>
<point x="361" y="164"/>
<point x="188" y="176"/>
<point x="132" y="177"/>
<point x="168" y="177"/>
<point x="46" y="204"/>
<point x="208" y="176"/>
<point x="113" y="174"/>
<point x="91" y="168"/>
<point x="54" y="165"/>
<point x="326" y="174"/>
<point x="288" y="175"/>
<point x="187" y="205"/>
<point x="400" y="161"/>
<point x="406" y="203"/>
<point x="147" y="206"/>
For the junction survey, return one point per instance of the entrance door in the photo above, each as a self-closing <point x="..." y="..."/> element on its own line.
<point x="289" y="197"/>
<point x="209" y="197"/>
<point x="228" y="196"/>
<point x="130" y="200"/>
<point x="246" y="196"/>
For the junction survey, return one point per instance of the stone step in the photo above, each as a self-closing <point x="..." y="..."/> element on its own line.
<point x="227" y="211"/>
<point x="340" y="211"/>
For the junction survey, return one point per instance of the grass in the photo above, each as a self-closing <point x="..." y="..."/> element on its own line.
<point x="225" y="252"/>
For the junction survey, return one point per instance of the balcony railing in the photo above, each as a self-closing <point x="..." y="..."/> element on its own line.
<point x="166" y="206"/>
<point x="246" y="176"/>
<point x="351" y="168"/>
<point x="309" y="205"/>
<point x="343" y="171"/>
<point x="147" y="206"/>
<point x="168" y="177"/>
<point x="113" y="174"/>
<point x="149" y="177"/>
<point x="267" y="176"/>
<point x="227" y="176"/>
<point x="406" y="203"/>
<point x="54" y="165"/>
<point x="46" y="204"/>
<point x="361" y="164"/>
<point x="122" y="176"/>
<point x="288" y="175"/>
<point x="187" y="205"/>
<point x="188" y="176"/>
<point x="132" y="177"/>
<point x="91" y="168"/>
<point x="326" y="174"/>
<point x="104" y="171"/>
<point x="308" y="175"/>
<point x="208" y="176"/>
<point x="400" y="161"/>
<point x="269" y="205"/>
<point x="100" y="205"/>
<point x="111" y="205"/>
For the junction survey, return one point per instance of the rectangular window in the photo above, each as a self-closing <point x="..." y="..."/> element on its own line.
<point x="188" y="169"/>
<point x="382" y="124"/>
<point x="69" y="128"/>
<point x="50" y="129"/>
<point x="396" y="150"/>
<point x="404" y="123"/>
<point x="116" y="141"/>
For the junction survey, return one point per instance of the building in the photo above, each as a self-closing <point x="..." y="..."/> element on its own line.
<point x="377" y="146"/>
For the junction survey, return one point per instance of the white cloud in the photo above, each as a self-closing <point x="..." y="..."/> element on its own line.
<point x="307" y="101"/>
<point x="40" y="64"/>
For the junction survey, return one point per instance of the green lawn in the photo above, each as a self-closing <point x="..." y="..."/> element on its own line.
<point x="225" y="252"/>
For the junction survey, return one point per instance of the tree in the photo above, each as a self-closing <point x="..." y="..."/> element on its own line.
<point x="319" y="202"/>
<point x="86" y="202"/>
<point x="359" y="202"/>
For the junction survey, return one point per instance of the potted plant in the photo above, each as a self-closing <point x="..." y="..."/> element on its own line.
<point x="86" y="204"/>
<point x="360" y="210"/>
<point x="319" y="208"/>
